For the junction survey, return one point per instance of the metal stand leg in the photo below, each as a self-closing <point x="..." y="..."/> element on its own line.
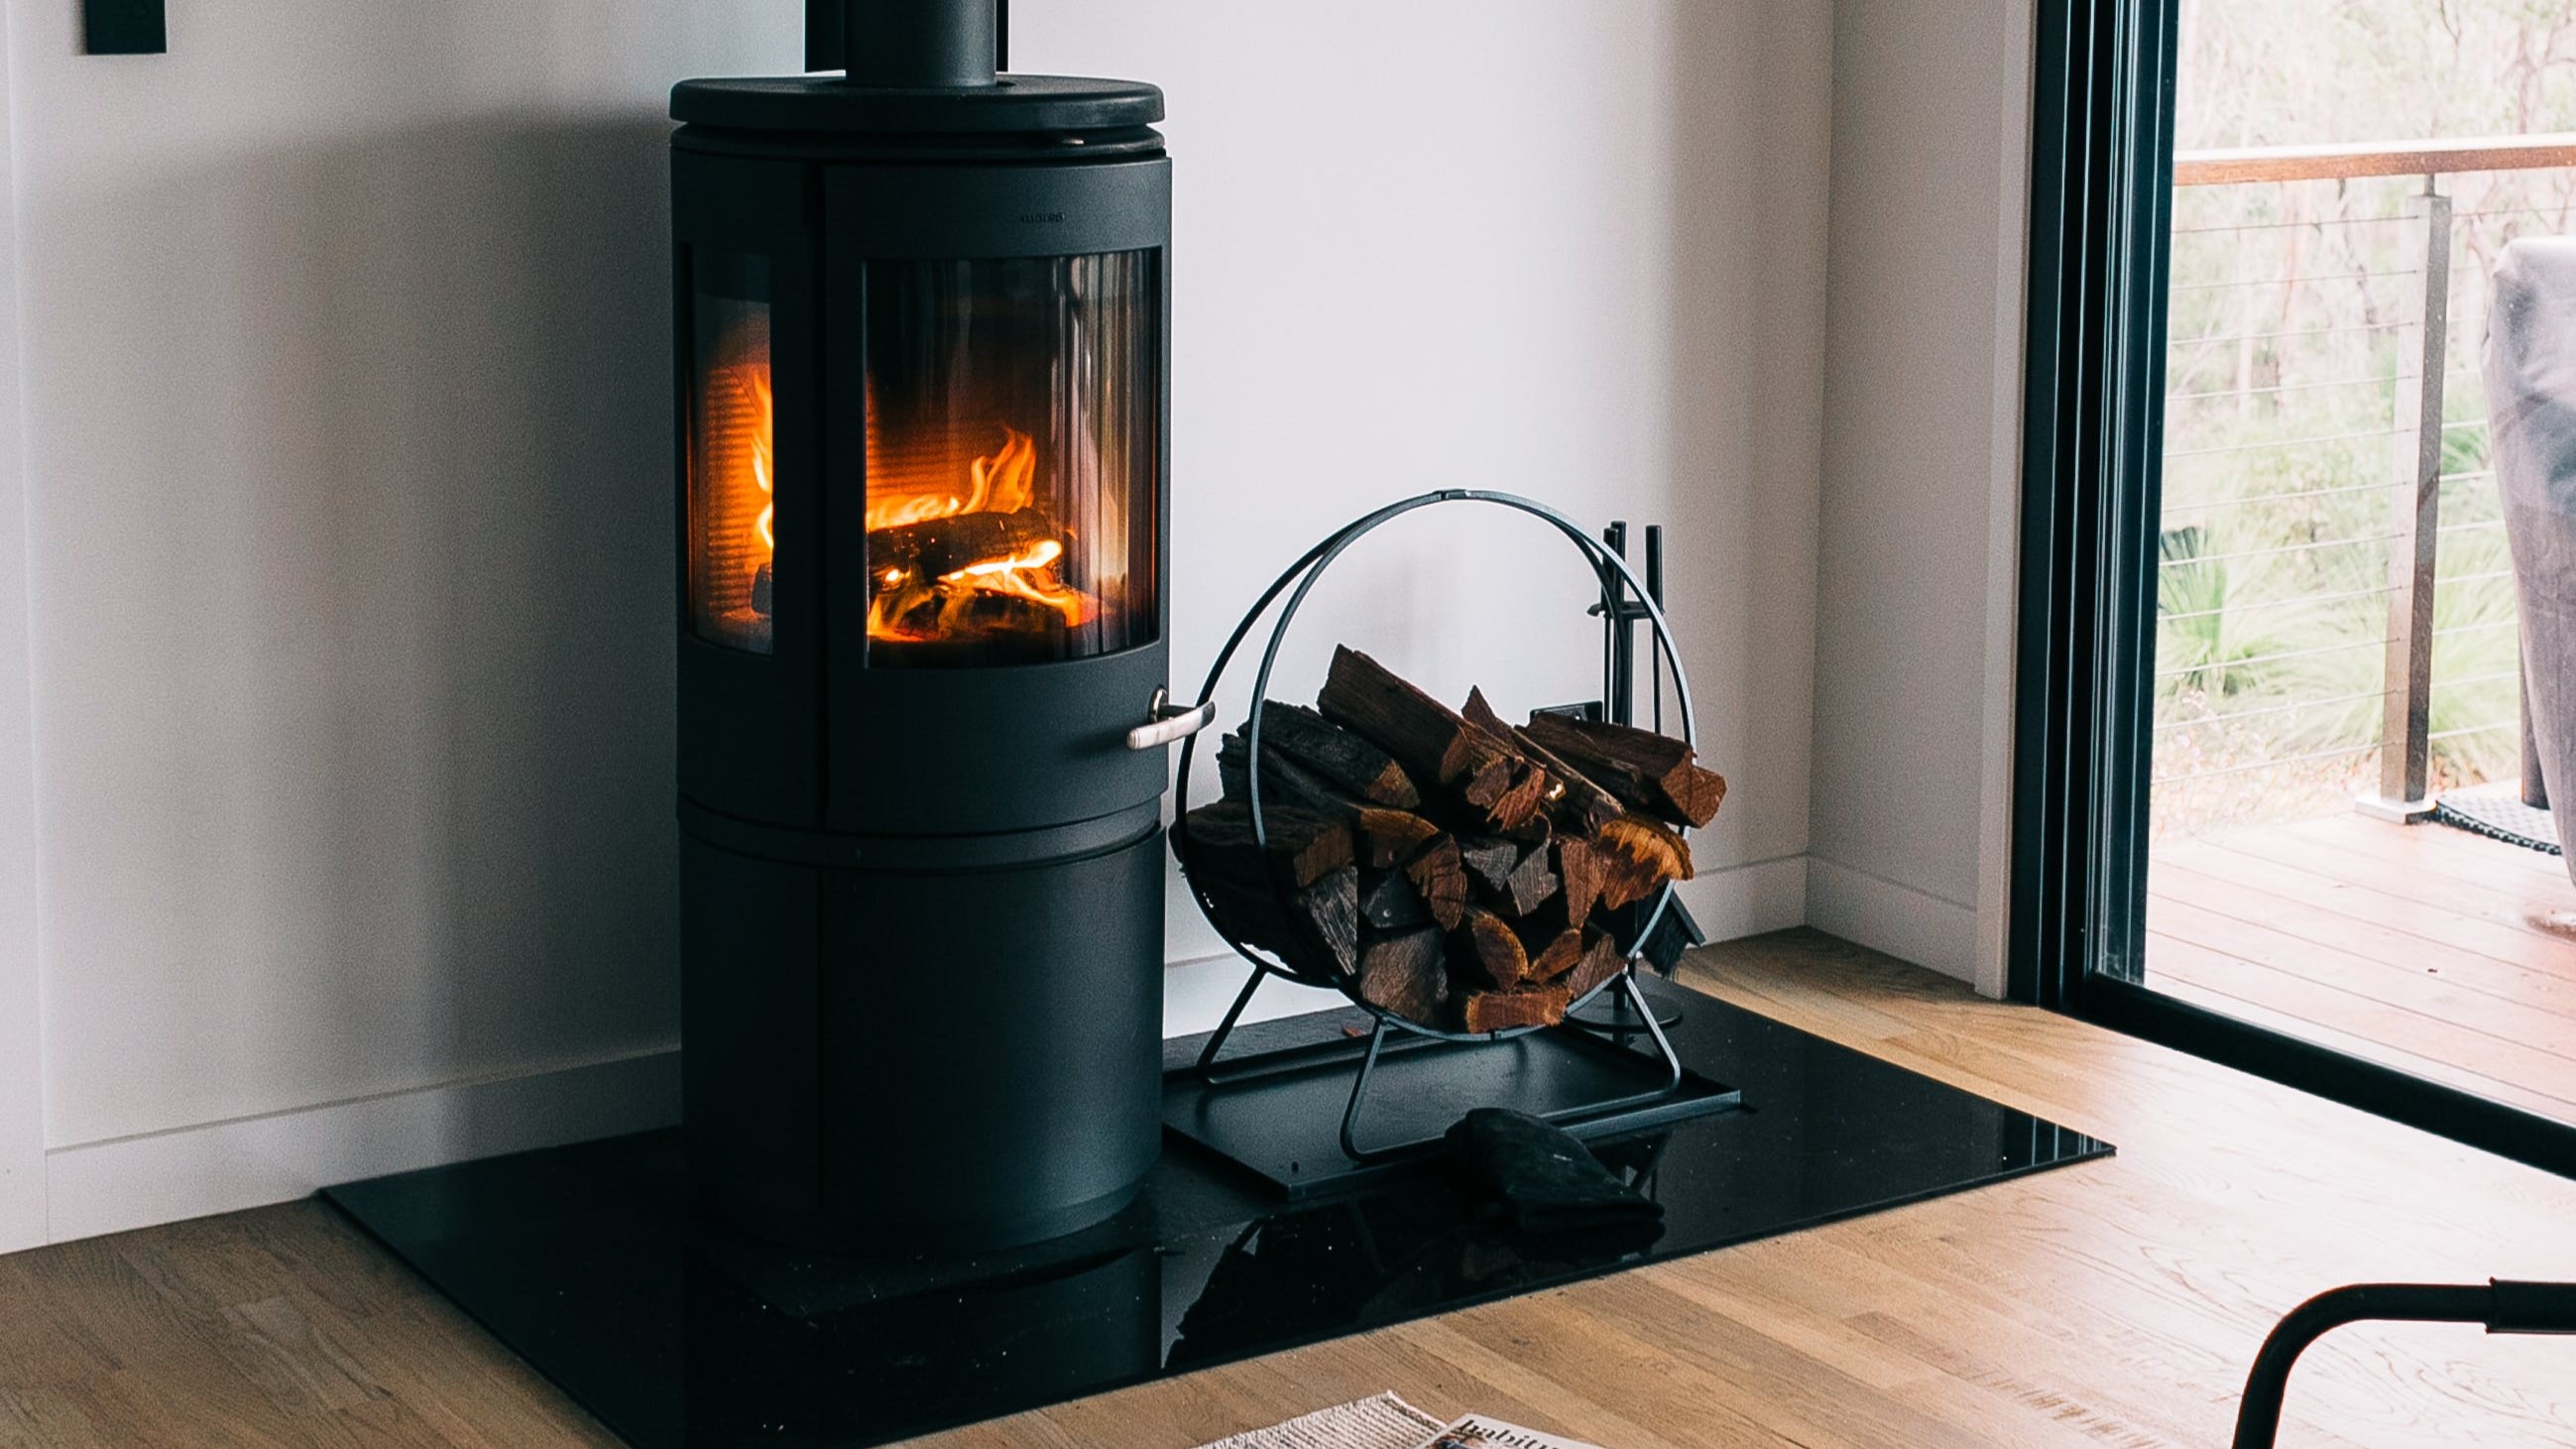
<point x="1628" y="988"/>
<point x="1233" y="1014"/>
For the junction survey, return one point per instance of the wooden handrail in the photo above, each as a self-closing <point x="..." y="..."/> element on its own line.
<point x="2374" y="158"/>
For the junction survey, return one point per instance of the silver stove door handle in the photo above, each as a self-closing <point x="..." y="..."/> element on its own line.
<point x="1168" y="722"/>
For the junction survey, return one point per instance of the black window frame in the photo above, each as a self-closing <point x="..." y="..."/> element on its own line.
<point x="2102" y="145"/>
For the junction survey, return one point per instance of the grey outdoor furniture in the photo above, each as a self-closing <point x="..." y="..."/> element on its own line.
<point x="2531" y="405"/>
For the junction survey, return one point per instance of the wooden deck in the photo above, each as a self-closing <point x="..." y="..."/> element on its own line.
<point x="2421" y="947"/>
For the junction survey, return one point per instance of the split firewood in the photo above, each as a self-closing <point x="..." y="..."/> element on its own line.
<point x="1386" y="837"/>
<point x="1283" y="780"/>
<point x="1316" y="929"/>
<point x="1578" y="867"/>
<point x="1407" y="973"/>
<point x="1484" y="948"/>
<point x="1486" y="774"/>
<point x="1388" y="901"/>
<point x="1502" y="1010"/>
<point x="1489" y="861"/>
<point x="1441" y="881"/>
<point x="1601" y="961"/>
<point x="1530" y="884"/>
<point x="1578" y="806"/>
<point x="1560" y="953"/>
<point x="1347" y="760"/>
<point x="1652" y="773"/>
<point x="1639" y="855"/>
<point x="1304" y="846"/>
<point x="1391" y="837"/>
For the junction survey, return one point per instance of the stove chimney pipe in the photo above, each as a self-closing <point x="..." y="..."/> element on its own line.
<point x="907" y="44"/>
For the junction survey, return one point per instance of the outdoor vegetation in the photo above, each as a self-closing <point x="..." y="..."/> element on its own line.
<point x="2290" y="326"/>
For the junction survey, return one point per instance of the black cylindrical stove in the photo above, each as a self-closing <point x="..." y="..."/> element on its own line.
<point x="922" y="365"/>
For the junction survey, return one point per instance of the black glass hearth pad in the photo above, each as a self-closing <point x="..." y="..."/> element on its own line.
<point x="583" y="1261"/>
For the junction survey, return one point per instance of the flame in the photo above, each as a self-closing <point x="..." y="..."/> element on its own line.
<point x="908" y="607"/>
<point x="752" y="381"/>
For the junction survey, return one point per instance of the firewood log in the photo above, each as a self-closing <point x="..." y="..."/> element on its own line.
<point x="1440" y="879"/>
<point x="1489" y="861"/>
<point x="1652" y="773"/>
<point x="1484" y="949"/>
<point x="932" y="549"/>
<point x="1386" y="836"/>
<point x="1601" y="961"/>
<point x="1529" y="885"/>
<point x="1502" y="1010"/>
<point x="1304" y="846"/>
<point x="1488" y="778"/>
<point x="1407" y="973"/>
<point x="1316" y="929"/>
<point x="1391" y="837"/>
<point x="1560" y="953"/>
<point x="1578" y="866"/>
<point x="1388" y="901"/>
<point x="1283" y="780"/>
<point x="1342" y="757"/>
<point x="1578" y="806"/>
<point x="1640" y="855"/>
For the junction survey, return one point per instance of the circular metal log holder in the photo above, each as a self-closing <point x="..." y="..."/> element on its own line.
<point x="1621" y="592"/>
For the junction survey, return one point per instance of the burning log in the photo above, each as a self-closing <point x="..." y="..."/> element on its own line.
<point x="938" y="548"/>
<point x="1346" y="760"/>
<point x="1486" y="947"/>
<point x="1655" y="774"/>
<point x="1502" y="1010"/>
<point x="1492" y="781"/>
<point x="1407" y="973"/>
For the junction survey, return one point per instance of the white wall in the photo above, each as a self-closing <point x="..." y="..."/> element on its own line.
<point x="1922" y="384"/>
<point x="345" y="425"/>
<point x="22" y="1124"/>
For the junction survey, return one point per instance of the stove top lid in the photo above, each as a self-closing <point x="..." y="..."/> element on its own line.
<point x="1013" y="104"/>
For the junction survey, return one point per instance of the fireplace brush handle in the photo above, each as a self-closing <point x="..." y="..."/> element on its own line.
<point x="1167" y="722"/>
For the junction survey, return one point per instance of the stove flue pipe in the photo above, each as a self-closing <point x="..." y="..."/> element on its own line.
<point x="909" y="44"/>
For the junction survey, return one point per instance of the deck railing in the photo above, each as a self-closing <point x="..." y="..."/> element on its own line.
<point x="2408" y="297"/>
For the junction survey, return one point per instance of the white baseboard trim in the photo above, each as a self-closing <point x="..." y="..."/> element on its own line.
<point x="1899" y="920"/>
<point x="1728" y="902"/>
<point x="164" y="1177"/>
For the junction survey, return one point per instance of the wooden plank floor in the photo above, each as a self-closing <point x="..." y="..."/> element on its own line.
<point x="2108" y="1304"/>
<point x="2422" y="947"/>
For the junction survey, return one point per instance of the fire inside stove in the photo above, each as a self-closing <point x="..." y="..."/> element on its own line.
<point x="961" y="558"/>
<point x="1009" y="435"/>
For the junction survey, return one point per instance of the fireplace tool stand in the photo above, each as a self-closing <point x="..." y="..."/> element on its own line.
<point x="1621" y="1089"/>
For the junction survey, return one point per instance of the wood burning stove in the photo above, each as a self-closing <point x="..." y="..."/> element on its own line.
<point x="922" y="360"/>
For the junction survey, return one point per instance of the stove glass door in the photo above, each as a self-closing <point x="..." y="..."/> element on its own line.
<point x="1012" y="445"/>
<point x="732" y="452"/>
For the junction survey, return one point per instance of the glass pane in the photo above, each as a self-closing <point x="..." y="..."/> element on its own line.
<point x="1011" y="452"/>
<point x="732" y="454"/>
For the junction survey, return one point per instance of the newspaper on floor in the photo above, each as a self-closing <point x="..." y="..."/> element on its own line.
<point x="1475" y="1431"/>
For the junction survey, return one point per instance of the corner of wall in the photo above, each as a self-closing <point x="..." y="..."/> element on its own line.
<point x="22" y="1116"/>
